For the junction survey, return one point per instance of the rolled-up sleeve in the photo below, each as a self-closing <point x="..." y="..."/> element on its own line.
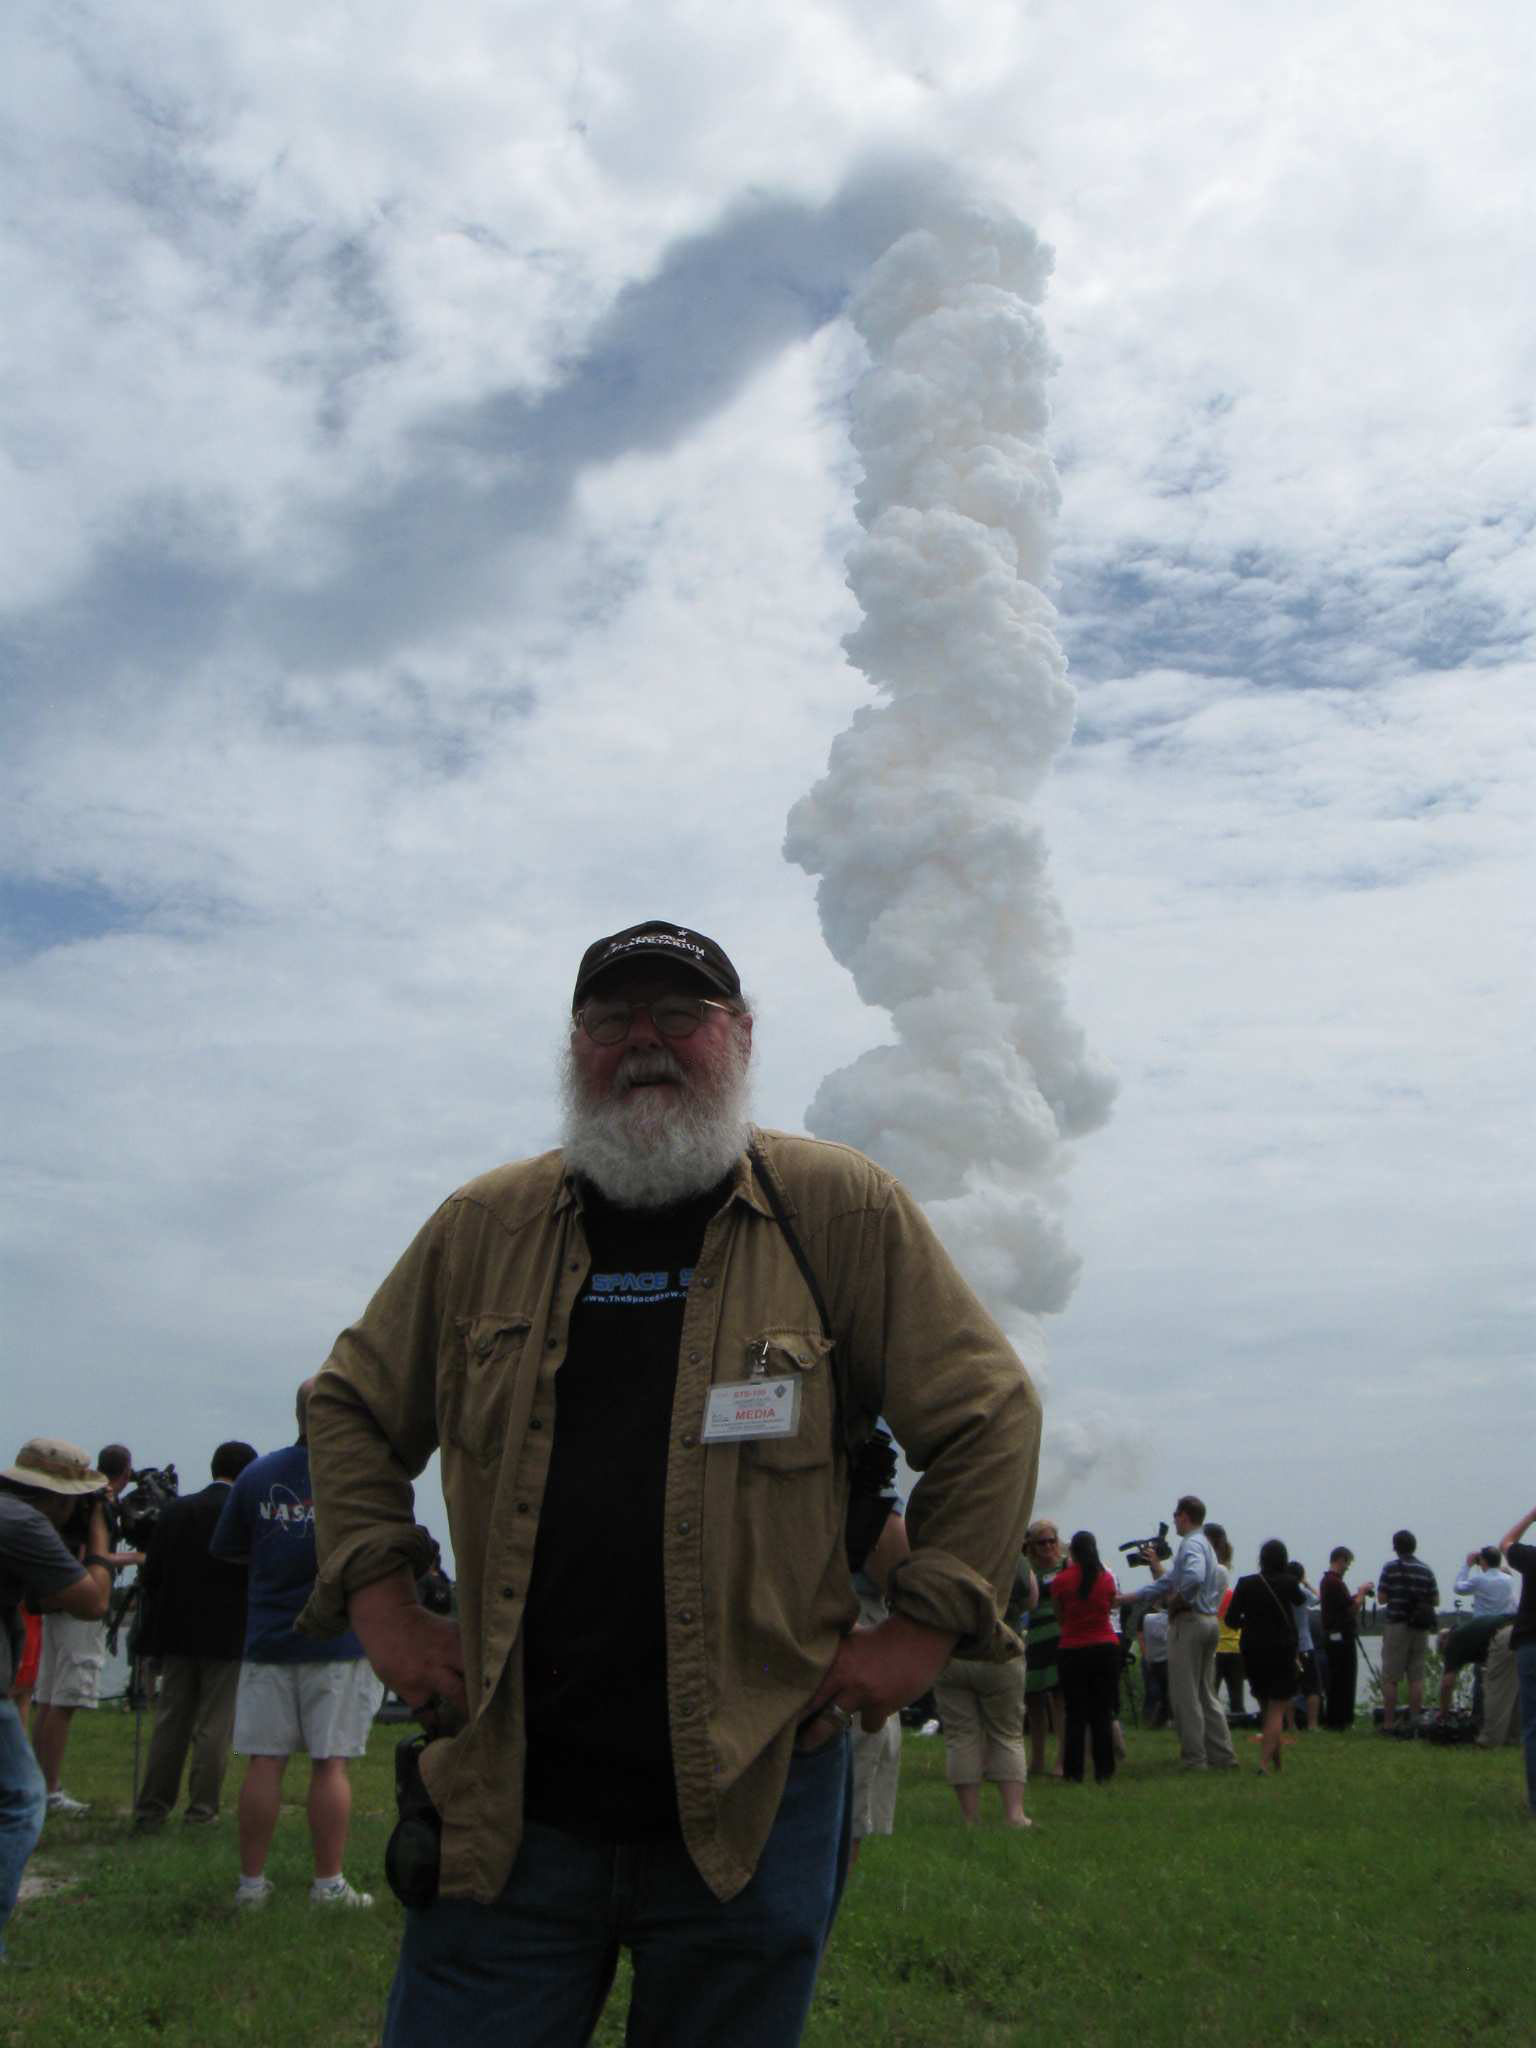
<point x="967" y="1417"/>
<point x="372" y="1426"/>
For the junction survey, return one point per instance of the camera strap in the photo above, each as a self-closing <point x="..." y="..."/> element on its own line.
<point x="1287" y="1614"/>
<point x="853" y="1426"/>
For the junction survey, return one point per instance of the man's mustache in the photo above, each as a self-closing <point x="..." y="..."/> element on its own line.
<point x="643" y="1067"/>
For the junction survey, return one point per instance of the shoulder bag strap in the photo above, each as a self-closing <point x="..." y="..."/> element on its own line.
<point x="853" y="1427"/>
<point x="775" y="1202"/>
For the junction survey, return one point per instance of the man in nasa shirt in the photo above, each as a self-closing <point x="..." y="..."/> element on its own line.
<point x="296" y="1692"/>
<point x="643" y="1432"/>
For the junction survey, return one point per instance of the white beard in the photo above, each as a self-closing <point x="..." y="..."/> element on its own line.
<point x="645" y="1149"/>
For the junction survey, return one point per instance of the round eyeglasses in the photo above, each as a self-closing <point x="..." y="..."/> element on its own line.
<point x="673" y="1016"/>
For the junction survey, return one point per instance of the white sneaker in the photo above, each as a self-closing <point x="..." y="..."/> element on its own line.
<point x="335" y="1891"/>
<point x="930" y="1728"/>
<point x="253" y="1891"/>
<point x="60" y="1802"/>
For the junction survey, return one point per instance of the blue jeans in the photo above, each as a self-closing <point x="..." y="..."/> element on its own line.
<point x="23" y="1803"/>
<point x="1525" y="1666"/>
<point x="535" y="1968"/>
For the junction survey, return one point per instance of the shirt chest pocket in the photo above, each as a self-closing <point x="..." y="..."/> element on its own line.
<point x="804" y="1357"/>
<point x="476" y="1384"/>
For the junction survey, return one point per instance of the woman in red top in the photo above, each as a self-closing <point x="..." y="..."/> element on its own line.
<point x="1088" y="1658"/>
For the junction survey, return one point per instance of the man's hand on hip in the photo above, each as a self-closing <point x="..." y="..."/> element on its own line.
<point x="875" y="1671"/>
<point x="417" y="1654"/>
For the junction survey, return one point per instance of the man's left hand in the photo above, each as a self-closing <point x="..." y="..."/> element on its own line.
<point x="876" y="1671"/>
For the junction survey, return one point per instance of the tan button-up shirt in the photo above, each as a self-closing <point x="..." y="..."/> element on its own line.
<point x="459" y="1352"/>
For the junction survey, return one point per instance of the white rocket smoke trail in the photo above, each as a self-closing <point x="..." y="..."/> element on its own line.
<point x="935" y="891"/>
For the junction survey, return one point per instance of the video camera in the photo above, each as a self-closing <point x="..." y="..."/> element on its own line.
<point x="137" y="1512"/>
<point x="140" y="1508"/>
<point x="1158" y="1545"/>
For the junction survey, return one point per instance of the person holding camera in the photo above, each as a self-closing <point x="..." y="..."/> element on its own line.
<point x="75" y="1650"/>
<point x="1194" y="1584"/>
<point x="194" y="1627"/>
<point x="1340" y="1613"/>
<point x="1483" y="1579"/>
<point x="51" y="1485"/>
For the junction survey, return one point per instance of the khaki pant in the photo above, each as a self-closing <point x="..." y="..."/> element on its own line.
<point x="982" y="1708"/>
<point x="1197" y="1714"/>
<point x="196" y="1712"/>
<point x="1501" y="1694"/>
<point x="1403" y="1651"/>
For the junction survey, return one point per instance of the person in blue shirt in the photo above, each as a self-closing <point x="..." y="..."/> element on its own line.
<point x="296" y="1692"/>
<point x="1194" y="1584"/>
<point x="1492" y="1589"/>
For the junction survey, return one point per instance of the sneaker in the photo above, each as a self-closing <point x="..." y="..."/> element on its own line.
<point x="60" y="1802"/>
<point x="253" y="1891"/>
<point x="335" y="1891"/>
<point x="930" y="1728"/>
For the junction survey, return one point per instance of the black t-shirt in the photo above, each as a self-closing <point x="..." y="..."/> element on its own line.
<point x="1523" y="1557"/>
<point x="1338" y="1605"/>
<point x="594" y="1655"/>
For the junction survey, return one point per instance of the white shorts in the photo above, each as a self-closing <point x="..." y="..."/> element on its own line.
<point x="69" y="1669"/>
<point x="876" y="1775"/>
<point x="324" y="1709"/>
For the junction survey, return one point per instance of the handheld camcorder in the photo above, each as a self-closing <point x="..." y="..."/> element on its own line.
<point x="1158" y="1545"/>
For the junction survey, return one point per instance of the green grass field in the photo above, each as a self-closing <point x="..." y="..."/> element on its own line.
<point x="1376" y="1893"/>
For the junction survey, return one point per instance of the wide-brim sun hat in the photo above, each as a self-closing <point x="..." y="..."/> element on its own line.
<point x="53" y="1466"/>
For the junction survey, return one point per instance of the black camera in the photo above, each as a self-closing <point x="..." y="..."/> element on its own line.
<point x="1158" y="1545"/>
<point x="140" y="1508"/>
<point x="414" y="1853"/>
<point x="77" y="1530"/>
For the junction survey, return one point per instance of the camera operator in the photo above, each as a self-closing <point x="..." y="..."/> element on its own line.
<point x="49" y="1482"/>
<point x="1194" y="1584"/>
<point x="74" y="1650"/>
<point x="1493" y="1590"/>
<point x="194" y="1627"/>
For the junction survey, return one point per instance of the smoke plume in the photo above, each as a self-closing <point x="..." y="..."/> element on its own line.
<point x="935" y="887"/>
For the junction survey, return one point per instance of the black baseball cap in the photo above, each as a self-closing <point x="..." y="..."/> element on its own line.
<point x="656" y="939"/>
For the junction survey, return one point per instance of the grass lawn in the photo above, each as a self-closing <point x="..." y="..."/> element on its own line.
<point x="1377" y="1893"/>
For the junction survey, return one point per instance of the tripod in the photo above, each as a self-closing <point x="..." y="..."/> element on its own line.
<point x="127" y="1607"/>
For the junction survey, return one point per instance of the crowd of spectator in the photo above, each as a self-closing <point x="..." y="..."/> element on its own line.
<point x="225" y="1571"/>
<point x="1166" y="1648"/>
<point x="212" y="1645"/>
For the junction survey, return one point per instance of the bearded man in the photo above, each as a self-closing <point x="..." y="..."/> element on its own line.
<point x="645" y="1359"/>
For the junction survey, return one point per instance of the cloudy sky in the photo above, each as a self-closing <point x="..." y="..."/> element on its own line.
<point x="428" y="483"/>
